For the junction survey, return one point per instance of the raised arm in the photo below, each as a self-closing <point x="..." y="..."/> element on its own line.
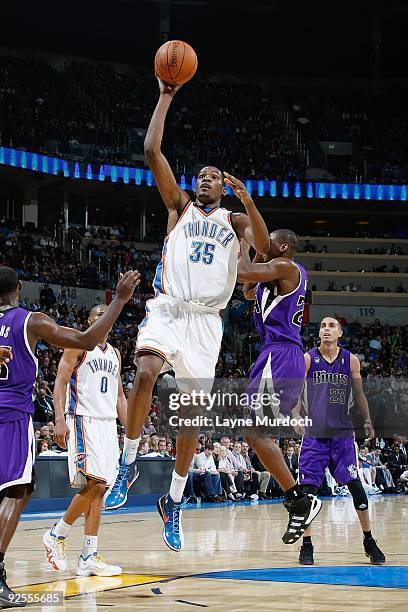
<point x="42" y="326"/>
<point x="173" y="197"/>
<point x="359" y="398"/>
<point x="249" y="289"/>
<point x="251" y="226"/>
<point x="250" y="272"/>
<point x="67" y="364"/>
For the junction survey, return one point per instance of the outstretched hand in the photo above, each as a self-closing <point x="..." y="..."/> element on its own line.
<point x="167" y="88"/>
<point x="239" y="189"/>
<point x="127" y="284"/>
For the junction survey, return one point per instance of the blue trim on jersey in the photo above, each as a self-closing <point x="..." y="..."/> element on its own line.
<point x="80" y="446"/>
<point x="157" y="284"/>
<point x="73" y="393"/>
<point x="142" y="324"/>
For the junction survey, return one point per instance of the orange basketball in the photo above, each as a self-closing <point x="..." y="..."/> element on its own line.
<point x="175" y="62"/>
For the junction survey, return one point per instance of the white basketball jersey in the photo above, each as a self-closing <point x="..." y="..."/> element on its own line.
<point x="93" y="388"/>
<point x="199" y="259"/>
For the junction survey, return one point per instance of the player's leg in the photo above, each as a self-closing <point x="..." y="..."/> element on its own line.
<point x="55" y="538"/>
<point x="170" y="505"/>
<point x="302" y="508"/>
<point x="306" y="550"/>
<point x="89" y="562"/>
<point x="12" y="502"/>
<point x="138" y="407"/>
<point x="344" y="458"/>
<point x="17" y="454"/>
<point x="314" y="457"/>
<point x="199" y="335"/>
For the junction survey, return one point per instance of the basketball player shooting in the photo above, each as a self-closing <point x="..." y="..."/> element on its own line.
<point x="278" y="285"/>
<point x="94" y="402"/>
<point x="183" y="329"/>
<point x="20" y="331"/>
<point x="333" y="384"/>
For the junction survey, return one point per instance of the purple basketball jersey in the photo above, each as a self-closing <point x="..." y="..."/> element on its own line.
<point x="17" y="378"/>
<point x="328" y="395"/>
<point x="278" y="318"/>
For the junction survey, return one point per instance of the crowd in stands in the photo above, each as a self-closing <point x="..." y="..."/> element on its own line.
<point x="97" y="113"/>
<point x="377" y="127"/>
<point x="383" y="355"/>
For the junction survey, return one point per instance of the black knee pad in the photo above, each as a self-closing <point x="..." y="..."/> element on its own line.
<point x="312" y="489"/>
<point x="360" y="499"/>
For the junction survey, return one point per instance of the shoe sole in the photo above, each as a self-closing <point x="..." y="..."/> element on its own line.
<point x="306" y="562"/>
<point x="375" y="562"/>
<point x="307" y="523"/>
<point x="85" y="574"/>
<point x="125" y="498"/>
<point x="160" y="511"/>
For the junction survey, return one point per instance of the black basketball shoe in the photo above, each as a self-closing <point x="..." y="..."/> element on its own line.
<point x="301" y="513"/>
<point x="372" y="551"/>
<point x="306" y="554"/>
<point x="7" y="596"/>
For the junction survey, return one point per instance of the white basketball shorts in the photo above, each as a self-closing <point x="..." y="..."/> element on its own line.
<point x="187" y="335"/>
<point x="93" y="450"/>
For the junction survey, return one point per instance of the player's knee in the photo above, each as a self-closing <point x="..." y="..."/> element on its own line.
<point x="19" y="492"/>
<point x="359" y="495"/>
<point x="309" y="489"/>
<point x="96" y="488"/>
<point x="144" y="380"/>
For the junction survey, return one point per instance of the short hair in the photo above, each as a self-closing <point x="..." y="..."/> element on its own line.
<point x="339" y="325"/>
<point x="8" y="280"/>
<point x="91" y="312"/>
<point x="215" y="168"/>
<point x="209" y="446"/>
<point x="286" y="236"/>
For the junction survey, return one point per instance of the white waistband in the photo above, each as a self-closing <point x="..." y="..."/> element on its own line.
<point x="192" y="305"/>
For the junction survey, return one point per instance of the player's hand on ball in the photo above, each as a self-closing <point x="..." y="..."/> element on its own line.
<point x="238" y="188"/>
<point x="61" y="433"/>
<point x="127" y="284"/>
<point x="167" y="88"/>
<point x="6" y="354"/>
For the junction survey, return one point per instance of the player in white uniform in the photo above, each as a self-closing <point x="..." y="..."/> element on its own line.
<point x="194" y="281"/>
<point x="88" y="388"/>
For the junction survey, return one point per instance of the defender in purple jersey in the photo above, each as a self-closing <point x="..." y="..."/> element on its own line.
<point x="20" y="331"/>
<point x="278" y="285"/>
<point x="333" y="383"/>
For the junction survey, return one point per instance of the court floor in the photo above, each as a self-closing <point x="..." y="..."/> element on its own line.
<point x="233" y="559"/>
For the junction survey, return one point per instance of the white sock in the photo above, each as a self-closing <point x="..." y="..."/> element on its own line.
<point x="130" y="449"/>
<point x="177" y="487"/>
<point x="89" y="546"/>
<point x="61" y="529"/>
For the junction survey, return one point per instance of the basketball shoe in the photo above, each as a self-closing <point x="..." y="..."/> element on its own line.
<point x="170" y="512"/>
<point x="372" y="551"/>
<point x="55" y="550"/>
<point x="95" y="565"/>
<point x="306" y="554"/>
<point x="117" y="496"/>
<point x="301" y="513"/>
<point x="8" y="598"/>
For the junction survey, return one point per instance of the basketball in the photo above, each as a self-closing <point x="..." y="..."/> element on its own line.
<point x="175" y="62"/>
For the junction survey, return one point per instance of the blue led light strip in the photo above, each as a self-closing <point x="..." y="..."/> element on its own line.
<point x="47" y="164"/>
